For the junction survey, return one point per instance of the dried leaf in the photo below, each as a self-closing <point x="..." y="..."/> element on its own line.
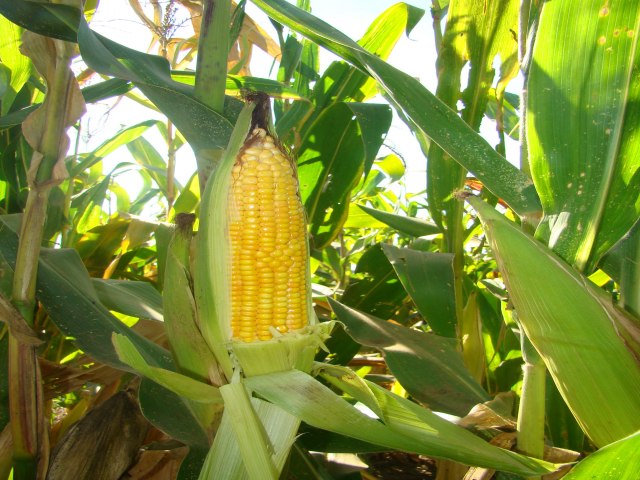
<point x="495" y="413"/>
<point x="49" y="56"/>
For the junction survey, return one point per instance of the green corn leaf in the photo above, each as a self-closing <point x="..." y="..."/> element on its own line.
<point x="178" y="421"/>
<point x="342" y="82"/>
<point x="151" y="75"/>
<point x="211" y="271"/>
<point x="123" y="137"/>
<point x="428" y="366"/>
<point x="616" y="461"/>
<point x="407" y="225"/>
<point x="137" y="299"/>
<point x="585" y="341"/>
<point x="236" y="83"/>
<point x="190" y="351"/>
<point x="583" y="110"/>
<point x="52" y="20"/>
<point x="19" y="66"/>
<point x="182" y="385"/>
<point x="330" y="165"/>
<point x="65" y="290"/>
<point x="428" y="113"/>
<point x="409" y="427"/>
<point x="428" y="278"/>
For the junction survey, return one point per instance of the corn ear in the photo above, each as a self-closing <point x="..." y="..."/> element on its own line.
<point x="252" y="288"/>
<point x="573" y="327"/>
<point x="252" y="277"/>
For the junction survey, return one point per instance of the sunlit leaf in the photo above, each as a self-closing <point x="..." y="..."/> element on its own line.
<point x="430" y="115"/>
<point x="407" y="225"/>
<point x="66" y="291"/>
<point x="582" y="113"/>
<point x="429" y="367"/>
<point x="330" y="165"/>
<point x="137" y="299"/>
<point x="428" y="279"/>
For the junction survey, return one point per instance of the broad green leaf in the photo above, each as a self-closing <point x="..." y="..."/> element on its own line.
<point x="428" y="113"/>
<point x="123" y="137"/>
<point x="374" y="287"/>
<point x="189" y="197"/>
<point x="347" y="381"/>
<point x="585" y="340"/>
<point x="146" y="155"/>
<point x="622" y="264"/>
<point x="307" y="71"/>
<point x="616" y="461"/>
<point x="180" y="384"/>
<point x="88" y="205"/>
<point x="66" y="292"/>
<point x="98" y="246"/>
<point x="52" y="20"/>
<point x="429" y="367"/>
<point x="428" y="279"/>
<point x="407" y="225"/>
<point x="149" y="73"/>
<point x="18" y="66"/>
<point x="192" y="464"/>
<point x="582" y="113"/>
<point x="317" y="440"/>
<point x="510" y="117"/>
<point x="170" y="414"/>
<point x="562" y="429"/>
<point x="424" y="433"/>
<point x="342" y="82"/>
<point x="359" y="219"/>
<point x="137" y="299"/>
<point x="330" y="164"/>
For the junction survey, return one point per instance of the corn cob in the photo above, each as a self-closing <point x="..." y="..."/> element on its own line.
<point x="267" y="236"/>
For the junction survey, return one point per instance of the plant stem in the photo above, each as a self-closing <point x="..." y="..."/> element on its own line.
<point x="26" y="406"/>
<point x="531" y="414"/>
<point x="213" y="50"/>
<point x="211" y="71"/>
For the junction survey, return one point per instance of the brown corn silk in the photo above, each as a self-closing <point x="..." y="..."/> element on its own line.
<point x="268" y="242"/>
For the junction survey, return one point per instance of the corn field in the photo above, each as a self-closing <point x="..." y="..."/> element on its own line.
<point x="293" y="310"/>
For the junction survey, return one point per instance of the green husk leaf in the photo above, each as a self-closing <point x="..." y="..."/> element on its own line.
<point x="190" y="351"/>
<point x="211" y="269"/>
<point x="294" y="349"/>
<point x="224" y="459"/>
<point x="182" y="385"/>
<point x="252" y="440"/>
